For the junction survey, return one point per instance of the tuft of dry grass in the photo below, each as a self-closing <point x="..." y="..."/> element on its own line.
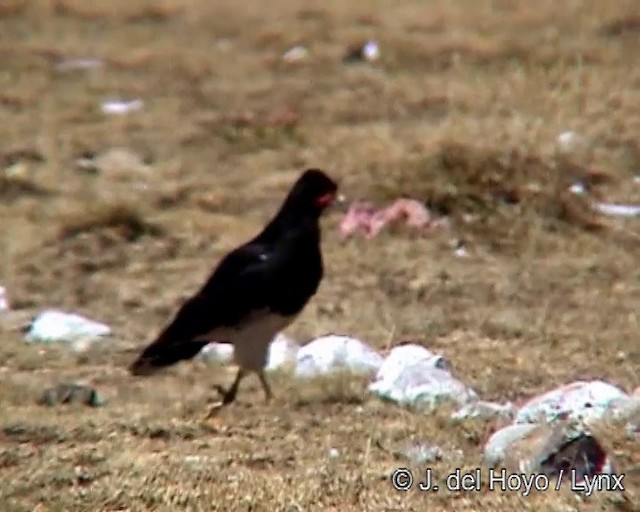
<point x="463" y="110"/>
<point x="124" y="220"/>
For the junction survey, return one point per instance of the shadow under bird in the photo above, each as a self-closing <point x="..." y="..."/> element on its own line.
<point x="256" y="290"/>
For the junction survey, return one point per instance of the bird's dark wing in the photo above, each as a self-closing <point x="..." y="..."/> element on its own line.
<point x="237" y="288"/>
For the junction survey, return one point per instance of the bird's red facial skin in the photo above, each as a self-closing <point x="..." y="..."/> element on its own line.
<point x="326" y="199"/>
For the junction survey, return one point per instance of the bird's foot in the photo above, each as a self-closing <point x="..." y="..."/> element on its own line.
<point x="225" y="398"/>
<point x="212" y="419"/>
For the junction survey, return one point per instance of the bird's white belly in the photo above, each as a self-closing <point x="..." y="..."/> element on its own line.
<point x="251" y="341"/>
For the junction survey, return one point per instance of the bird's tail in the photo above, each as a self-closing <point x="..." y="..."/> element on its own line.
<point x="164" y="352"/>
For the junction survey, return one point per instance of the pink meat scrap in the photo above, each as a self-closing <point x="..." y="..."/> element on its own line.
<point x="365" y="218"/>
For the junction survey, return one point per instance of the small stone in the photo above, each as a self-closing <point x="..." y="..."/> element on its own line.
<point x="295" y="54"/>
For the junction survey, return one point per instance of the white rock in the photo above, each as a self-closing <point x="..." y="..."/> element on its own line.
<point x="295" y="54"/>
<point x="578" y="189"/>
<point x="371" y="51"/>
<point x="421" y="385"/>
<point x="4" y="301"/>
<point x="330" y="353"/>
<point x="568" y="141"/>
<point x="119" y="107"/>
<point x="484" y="410"/>
<point x="52" y="325"/>
<point x="579" y="400"/>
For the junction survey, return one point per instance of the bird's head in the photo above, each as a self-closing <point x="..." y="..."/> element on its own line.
<point x="312" y="193"/>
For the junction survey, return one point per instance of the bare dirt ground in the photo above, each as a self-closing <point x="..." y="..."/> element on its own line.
<point x="462" y="110"/>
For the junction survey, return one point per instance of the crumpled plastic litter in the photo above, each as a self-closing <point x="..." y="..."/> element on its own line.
<point x="401" y="356"/>
<point x="215" y="352"/>
<point x="584" y="400"/>
<point x="282" y="352"/>
<point x="421" y="385"/>
<point x="70" y="393"/>
<point x="334" y="352"/>
<point x="366" y="219"/>
<point x="618" y="210"/>
<point x="52" y="325"/>
<point x="549" y="449"/>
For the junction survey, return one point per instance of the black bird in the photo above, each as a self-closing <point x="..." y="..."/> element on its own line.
<point x="256" y="290"/>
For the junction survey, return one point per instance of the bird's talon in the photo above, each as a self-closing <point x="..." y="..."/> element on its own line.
<point x="213" y="412"/>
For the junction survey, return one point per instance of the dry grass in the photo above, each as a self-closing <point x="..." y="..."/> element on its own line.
<point x="463" y="111"/>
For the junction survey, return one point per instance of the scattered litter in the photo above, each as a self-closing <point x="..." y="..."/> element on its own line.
<point x="4" y="300"/>
<point x="70" y="393"/>
<point x="402" y="356"/>
<point x="579" y="400"/>
<point x="460" y="250"/>
<point x="420" y="453"/>
<point x="119" y="107"/>
<point x="365" y="218"/>
<point x="78" y="64"/>
<point x="578" y="188"/>
<point x="52" y="325"/>
<point x="619" y="210"/>
<point x="485" y="410"/>
<point x="369" y="51"/>
<point x="295" y="54"/>
<point x="333" y="352"/>
<point x="422" y="386"/>
<point x="215" y="352"/>
<point x="334" y="453"/>
<point x="636" y="179"/>
<point x="548" y="450"/>
<point x="113" y="161"/>
<point x="568" y="141"/>
<point x="283" y="352"/>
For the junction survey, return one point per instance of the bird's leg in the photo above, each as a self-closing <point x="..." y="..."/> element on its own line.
<point x="265" y="386"/>
<point x="228" y="395"/>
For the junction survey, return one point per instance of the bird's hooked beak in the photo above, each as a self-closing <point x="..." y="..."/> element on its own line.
<point x="339" y="203"/>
